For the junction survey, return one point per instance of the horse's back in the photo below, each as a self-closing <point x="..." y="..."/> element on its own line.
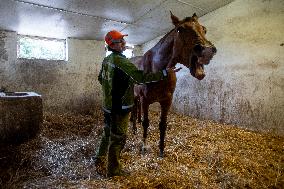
<point x="136" y="60"/>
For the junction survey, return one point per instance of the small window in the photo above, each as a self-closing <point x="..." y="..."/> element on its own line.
<point x="41" y="48"/>
<point x="128" y="52"/>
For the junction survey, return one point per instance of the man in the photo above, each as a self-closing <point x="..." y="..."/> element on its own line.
<point x="117" y="77"/>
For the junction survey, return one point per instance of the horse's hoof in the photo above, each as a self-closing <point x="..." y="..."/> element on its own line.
<point x="161" y="155"/>
<point x="143" y="152"/>
<point x="145" y="149"/>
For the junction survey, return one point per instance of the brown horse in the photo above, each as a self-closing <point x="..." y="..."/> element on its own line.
<point x="185" y="44"/>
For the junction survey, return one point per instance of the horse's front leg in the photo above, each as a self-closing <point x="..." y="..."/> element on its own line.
<point x="145" y="124"/>
<point x="165" y="107"/>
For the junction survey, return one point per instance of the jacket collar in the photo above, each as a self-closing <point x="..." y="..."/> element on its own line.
<point x="117" y="53"/>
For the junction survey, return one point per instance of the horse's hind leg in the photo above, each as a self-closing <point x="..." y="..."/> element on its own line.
<point x="133" y="117"/>
<point x="139" y="111"/>
<point x="145" y="124"/>
<point x="165" y="107"/>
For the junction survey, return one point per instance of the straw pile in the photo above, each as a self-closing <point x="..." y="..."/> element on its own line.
<point x="198" y="154"/>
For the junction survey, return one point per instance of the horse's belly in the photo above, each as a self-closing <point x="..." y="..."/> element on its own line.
<point x="156" y="92"/>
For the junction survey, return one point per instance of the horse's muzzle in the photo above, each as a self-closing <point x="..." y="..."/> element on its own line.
<point x="206" y="55"/>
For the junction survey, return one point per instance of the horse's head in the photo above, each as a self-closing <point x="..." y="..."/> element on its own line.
<point x="191" y="48"/>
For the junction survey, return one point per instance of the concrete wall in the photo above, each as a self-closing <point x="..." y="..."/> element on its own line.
<point x="64" y="85"/>
<point x="244" y="83"/>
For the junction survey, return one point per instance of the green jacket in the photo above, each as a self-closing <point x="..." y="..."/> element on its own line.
<point x="117" y="77"/>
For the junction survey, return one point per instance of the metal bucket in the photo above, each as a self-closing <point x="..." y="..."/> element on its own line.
<point x="20" y="116"/>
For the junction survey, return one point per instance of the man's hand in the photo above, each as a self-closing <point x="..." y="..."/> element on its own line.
<point x="173" y="69"/>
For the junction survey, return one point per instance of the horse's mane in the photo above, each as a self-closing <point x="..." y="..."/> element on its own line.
<point x="186" y="19"/>
<point x="161" y="41"/>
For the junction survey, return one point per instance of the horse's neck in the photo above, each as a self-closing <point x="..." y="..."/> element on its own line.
<point x="160" y="56"/>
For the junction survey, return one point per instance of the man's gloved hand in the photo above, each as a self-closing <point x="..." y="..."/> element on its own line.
<point x="173" y="69"/>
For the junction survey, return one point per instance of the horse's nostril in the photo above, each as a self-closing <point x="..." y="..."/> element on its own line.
<point x="214" y="50"/>
<point x="198" y="48"/>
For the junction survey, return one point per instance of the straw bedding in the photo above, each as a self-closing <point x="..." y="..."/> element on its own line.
<point x="198" y="154"/>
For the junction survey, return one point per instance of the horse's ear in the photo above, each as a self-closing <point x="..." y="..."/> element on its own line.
<point x="175" y="19"/>
<point x="194" y="16"/>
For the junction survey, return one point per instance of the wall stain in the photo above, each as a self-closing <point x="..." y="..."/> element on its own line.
<point x="269" y="64"/>
<point x="3" y="51"/>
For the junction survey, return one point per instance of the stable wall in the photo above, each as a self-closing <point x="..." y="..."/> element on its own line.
<point x="64" y="85"/>
<point x="244" y="83"/>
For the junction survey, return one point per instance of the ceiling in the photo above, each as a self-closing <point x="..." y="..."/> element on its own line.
<point x="143" y="20"/>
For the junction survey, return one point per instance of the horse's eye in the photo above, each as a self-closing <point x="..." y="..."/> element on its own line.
<point x="180" y="29"/>
<point x="204" y="29"/>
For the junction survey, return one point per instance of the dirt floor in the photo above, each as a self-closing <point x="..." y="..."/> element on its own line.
<point x="198" y="154"/>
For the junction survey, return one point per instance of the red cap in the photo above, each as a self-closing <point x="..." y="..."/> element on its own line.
<point x="114" y="36"/>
